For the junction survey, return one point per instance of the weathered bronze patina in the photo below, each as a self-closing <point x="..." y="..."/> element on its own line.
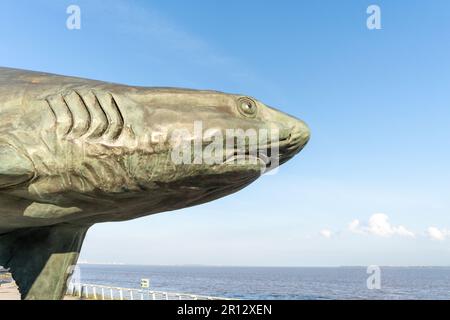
<point x="74" y="152"/>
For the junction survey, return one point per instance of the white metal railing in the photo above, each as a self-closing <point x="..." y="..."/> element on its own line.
<point x="100" y="292"/>
<point x="5" y="277"/>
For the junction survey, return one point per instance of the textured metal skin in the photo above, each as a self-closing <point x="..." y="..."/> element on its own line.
<point x="74" y="152"/>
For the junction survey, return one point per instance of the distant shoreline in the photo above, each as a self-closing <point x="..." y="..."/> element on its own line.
<point x="244" y="266"/>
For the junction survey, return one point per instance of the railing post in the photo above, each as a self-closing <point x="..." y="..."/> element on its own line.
<point x="142" y="295"/>
<point x="121" y="293"/>
<point x="131" y="295"/>
<point x="86" y="291"/>
<point x="80" y="290"/>
<point x="94" y="292"/>
<point x="103" y="293"/>
<point x="111" y="292"/>
<point x="167" y="296"/>
<point x="153" y="296"/>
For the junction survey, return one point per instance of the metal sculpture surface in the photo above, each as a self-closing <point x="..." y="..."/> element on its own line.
<point x="75" y="152"/>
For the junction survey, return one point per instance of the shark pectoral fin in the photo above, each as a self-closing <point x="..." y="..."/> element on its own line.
<point x="15" y="168"/>
<point x="40" y="259"/>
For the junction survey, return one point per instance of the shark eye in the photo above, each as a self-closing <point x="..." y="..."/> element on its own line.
<point x="247" y="107"/>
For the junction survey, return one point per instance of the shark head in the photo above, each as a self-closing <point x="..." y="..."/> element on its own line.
<point x="187" y="147"/>
<point x="213" y="144"/>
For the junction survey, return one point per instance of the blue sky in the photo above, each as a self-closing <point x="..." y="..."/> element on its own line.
<point x="377" y="102"/>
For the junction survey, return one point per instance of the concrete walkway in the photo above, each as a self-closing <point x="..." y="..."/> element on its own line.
<point x="9" y="291"/>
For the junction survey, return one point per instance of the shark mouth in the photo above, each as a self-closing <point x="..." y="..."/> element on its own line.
<point x="268" y="156"/>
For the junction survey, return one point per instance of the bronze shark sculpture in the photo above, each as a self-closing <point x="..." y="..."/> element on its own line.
<point x="75" y="152"/>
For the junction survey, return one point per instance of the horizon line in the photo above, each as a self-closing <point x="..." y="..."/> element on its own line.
<point x="257" y="266"/>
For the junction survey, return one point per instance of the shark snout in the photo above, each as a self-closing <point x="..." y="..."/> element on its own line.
<point x="298" y="137"/>
<point x="300" y="134"/>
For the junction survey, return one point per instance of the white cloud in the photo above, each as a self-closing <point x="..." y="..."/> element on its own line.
<point x="379" y="225"/>
<point x="438" y="234"/>
<point x="326" y="233"/>
<point x="355" y="227"/>
<point x="402" y="231"/>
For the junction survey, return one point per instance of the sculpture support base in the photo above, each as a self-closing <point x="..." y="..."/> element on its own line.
<point x="42" y="259"/>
